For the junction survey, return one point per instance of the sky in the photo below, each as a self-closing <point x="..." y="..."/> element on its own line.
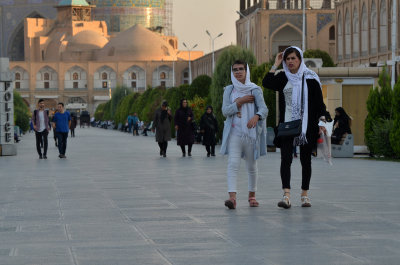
<point x="191" y="19"/>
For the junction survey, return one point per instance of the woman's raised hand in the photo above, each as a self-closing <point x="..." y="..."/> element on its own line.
<point x="278" y="59"/>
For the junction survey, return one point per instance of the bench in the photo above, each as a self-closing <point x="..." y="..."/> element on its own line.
<point x="345" y="149"/>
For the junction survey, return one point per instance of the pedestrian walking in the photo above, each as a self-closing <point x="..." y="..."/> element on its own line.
<point x="129" y="120"/>
<point x="209" y="127"/>
<point x="135" y="124"/>
<point x="74" y="122"/>
<point x="184" y="126"/>
<point x="244" y="134"/>
<point x="41" y="126"/>
<point x="162" y="127"/>
<point x="300" y="97"/>
<point x="61" y="125"/>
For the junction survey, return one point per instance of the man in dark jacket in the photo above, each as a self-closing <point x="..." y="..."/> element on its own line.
<point x="41" y="126"/>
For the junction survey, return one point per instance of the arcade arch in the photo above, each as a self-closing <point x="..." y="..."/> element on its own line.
<point x="104" y="78"/>
<point x="75" y="78"/>
<point x="47" y="79"/>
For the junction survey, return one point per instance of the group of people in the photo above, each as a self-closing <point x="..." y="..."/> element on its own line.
<point x="185" y="128"/>
<point x="61" y="122"/>
<point x="244" y="133"/>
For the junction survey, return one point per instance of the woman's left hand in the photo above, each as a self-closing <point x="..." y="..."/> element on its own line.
<point x="253" y="122"/>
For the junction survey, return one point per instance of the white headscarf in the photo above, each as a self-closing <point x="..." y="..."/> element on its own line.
<point x="295" y="80"/>
<point x="247" y="109"/>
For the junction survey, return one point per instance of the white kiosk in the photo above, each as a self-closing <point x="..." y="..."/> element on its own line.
<point x="7" y="147"/>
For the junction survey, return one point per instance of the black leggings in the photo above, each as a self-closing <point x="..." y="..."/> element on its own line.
<point x="189" y="148"/>
<point x="163" y="146"/>
<point x="210" y="149"/>
<point x="286" y="162"/>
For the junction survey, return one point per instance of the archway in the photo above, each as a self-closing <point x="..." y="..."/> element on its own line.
<point x="285" y="36"/>
<point x="16" y="44"/>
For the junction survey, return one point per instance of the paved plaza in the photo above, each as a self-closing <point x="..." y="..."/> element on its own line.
<point x="115" y="201"/>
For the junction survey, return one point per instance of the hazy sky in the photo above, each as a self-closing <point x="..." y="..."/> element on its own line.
<point x="191" y="18"/>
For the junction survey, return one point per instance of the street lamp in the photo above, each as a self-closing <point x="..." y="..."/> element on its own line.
<point x="190" y="68"/>
<point x="212" y="41"/>
<point x="248" y="28"/>
<point x="174" y="58"/>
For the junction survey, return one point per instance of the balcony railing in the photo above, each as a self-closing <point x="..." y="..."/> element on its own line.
<point x="76" y="89"/>
<point x="47" y="89"/>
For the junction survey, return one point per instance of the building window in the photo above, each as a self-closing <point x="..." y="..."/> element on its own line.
<point x="75" y="76"/>
<point x="186" y="81"/>
<point x="17" y="85"/>
<point x="46" y="76"/>
<point x="332" y="33"/>
<point x="75" y="85"/>
<point x="133" y="75"/>
<point x="46" y="85"/>
<point x="163" y="75"/>
<point x="133" y="84"/>
<point x="17" y="76"/>
<point x="104" y="76"/>
<point x="282" y="48"/>
<point x="105" y="84"/>
<point x="163" y="83"/>
<point x="186" y="75"/>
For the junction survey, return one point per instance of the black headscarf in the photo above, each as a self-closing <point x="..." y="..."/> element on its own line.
<point x="164" y="113"/>
<point x="342" y="115"/>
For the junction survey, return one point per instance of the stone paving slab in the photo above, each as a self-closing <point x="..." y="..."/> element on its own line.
<point x="115" y="201"/>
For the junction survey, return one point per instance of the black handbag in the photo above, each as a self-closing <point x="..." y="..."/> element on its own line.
<point x="292" y="128"/>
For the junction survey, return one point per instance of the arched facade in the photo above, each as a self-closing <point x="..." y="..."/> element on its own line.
<point x="104" y="78"/>
<point x="163" y="76"/>
<point x="370" y="32"/>
<point x="75" y="79"/>
<point x="135" y="77"/>
<point x="47" y="79"/>
<point x="356" y="36"/>
<point x="21" y="77"/>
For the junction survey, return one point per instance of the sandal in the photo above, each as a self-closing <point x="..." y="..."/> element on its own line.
<point x="231" y="204"/>
<point x="285" y="202"/>
<point x="253" y="202"/>
<point x="305" y="201"/>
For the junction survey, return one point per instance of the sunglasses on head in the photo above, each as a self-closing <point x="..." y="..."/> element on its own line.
<point x="237" y="69"/>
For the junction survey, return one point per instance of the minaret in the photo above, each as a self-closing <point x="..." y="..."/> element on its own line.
<point x="74" y="10"/>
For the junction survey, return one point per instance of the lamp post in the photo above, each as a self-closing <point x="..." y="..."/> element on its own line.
<point x="248" y="28"/>
<point x="212" y="41"/>
<point x="190" y="69"/>
<point x="394" y="44"/>
<point x="304" y="27"/>
<point x="173" y="67"/>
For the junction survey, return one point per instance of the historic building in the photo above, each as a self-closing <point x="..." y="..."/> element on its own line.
<point x="364" y="32"/>
<point x="119" y="15"/>
<point x="267" y="27"/>
<point x="73" y="59"/>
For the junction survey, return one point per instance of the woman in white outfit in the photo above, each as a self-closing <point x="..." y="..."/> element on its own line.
<point x="244" y="133"/>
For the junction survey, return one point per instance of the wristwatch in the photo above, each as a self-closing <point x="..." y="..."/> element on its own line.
<point x="273" y="67"/>
<point x="259" y="117"/>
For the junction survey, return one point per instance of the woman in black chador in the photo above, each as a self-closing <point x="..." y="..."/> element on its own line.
<point x="209" y="127"/>
<point x="184" y="127"/>
<point x="341" y="125"/>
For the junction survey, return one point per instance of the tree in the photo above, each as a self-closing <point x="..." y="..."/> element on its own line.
<point x="200" y="87"/>
<point x="326" y="58"/>
<point x="21" y="113"/>
<point x="222" y="77"/>
<point x="395" y="133"/>
<point x="379" y="121"/>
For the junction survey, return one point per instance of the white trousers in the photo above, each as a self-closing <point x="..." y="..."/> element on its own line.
<point x="236" y="146"/>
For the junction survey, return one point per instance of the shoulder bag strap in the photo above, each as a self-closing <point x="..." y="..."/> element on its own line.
<point x="302" y="96"/>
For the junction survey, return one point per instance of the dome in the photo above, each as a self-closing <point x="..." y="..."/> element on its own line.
<point x="136" y="44"/>
<point x="87" y="40"/>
